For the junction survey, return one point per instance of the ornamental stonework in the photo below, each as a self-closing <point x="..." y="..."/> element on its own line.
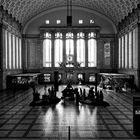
<point x="24" y="10"/>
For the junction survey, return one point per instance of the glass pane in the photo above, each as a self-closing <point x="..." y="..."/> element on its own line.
<point x="81" y="52"/>
<point x="17" y="54"/>
<point x="6" y="57"/>
<point x="130" y="50"/>
<point x="123" y="52"/>
<point x="69" y="52"/>
<point x="47" y="53"/>
<point x="92" y="53"/>
<point x="58" y="52"/>
<point x="10" y="60"/>
<point x="20" y="54"/>
<point x="14" y="59"/>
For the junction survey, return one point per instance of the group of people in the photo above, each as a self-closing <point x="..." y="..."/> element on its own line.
<point x="70" y="93"/>
<point x="49" y="96"/>
<point x="91" y="95"/>
<point x="82" y="95"/>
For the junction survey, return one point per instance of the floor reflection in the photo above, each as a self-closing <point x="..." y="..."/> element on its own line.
<point x="59" y="117"/>
<point x="19" y="120"/>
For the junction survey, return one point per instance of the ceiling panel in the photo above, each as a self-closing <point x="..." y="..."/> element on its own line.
<point x="24" y="10"/>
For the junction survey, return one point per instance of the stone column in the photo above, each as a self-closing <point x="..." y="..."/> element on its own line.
<point x="138" y="47"/>
<point x="138" y="56"/>
<point x="41" y="53"/>
<point x="120" y="53"/>
<point x="130" y="50"/>
<point x="4" y="49"/>
<point x="1" y="57"/>
<point x="1" y="48"/>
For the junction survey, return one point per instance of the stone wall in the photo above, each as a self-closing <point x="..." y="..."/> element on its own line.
<point x="131" y="23"/>
<point x="8" y="25"/>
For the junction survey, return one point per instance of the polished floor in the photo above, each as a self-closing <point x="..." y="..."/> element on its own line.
<point x="19" y="121"/>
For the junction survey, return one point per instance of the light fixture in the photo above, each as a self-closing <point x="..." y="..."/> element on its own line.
<point x="80" y="21"/>
<point x="91" y="21"/>
<point x="47" y="22"/>
<point x="58" y="21"/>
<point x="69" y="13"/>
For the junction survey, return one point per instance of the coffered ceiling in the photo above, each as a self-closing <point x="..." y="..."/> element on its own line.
<point x="24" y="10"/>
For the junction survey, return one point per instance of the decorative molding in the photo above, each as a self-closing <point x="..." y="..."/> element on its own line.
<point x="9" y="23"/>
<point x="107" y="35"/>
<point x="73" y="29"/>
<point x="130" y="22"/>
<point x="24" y="10"/>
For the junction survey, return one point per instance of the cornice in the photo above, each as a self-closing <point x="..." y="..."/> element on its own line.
<point x="9" y="23"/>
<point x="130" y="22"/>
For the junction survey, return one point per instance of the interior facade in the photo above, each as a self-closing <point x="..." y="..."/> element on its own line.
<point x="111" y="29"/>
<point x="102" y="36"/>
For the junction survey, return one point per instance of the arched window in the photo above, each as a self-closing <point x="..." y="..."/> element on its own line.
<point x="69" y="50"/>
<point x="47" y="47"/>
<point x="81" y="49"/>
<point x="92" y="50"/>
<point x="58" y="48"/>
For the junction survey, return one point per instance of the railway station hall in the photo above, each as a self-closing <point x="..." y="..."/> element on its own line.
<point x="69" y="69"/>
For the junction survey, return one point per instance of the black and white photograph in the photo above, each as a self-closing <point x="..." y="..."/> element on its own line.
<point x="69" y="69"/>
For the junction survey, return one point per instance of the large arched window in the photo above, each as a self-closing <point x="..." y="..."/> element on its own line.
<point x="58" y="48"/>
<point x="81" y="49"/>
<point x="47" y="47"/>
<point x="92" y="50"/>
<point x="69" y="49"/>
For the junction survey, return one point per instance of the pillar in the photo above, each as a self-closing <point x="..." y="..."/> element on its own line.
<point x="138" y="56"/>
<point x="120" y="53"/>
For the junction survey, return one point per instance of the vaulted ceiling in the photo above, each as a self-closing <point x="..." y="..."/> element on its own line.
<point x="24" y="10"/>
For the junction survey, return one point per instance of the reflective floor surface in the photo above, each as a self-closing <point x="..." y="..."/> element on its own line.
<point x="66" y="121"/>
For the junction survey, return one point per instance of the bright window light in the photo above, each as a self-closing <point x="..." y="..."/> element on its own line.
<point x="81" y="49"/>
<point x="80" y="21"/>
<point x="47" y="50"/>
<point x="58" y="49"/>
<point x="58" y="21"/>
<point x="47" y="22"/>
<point x="91" y="21"/>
